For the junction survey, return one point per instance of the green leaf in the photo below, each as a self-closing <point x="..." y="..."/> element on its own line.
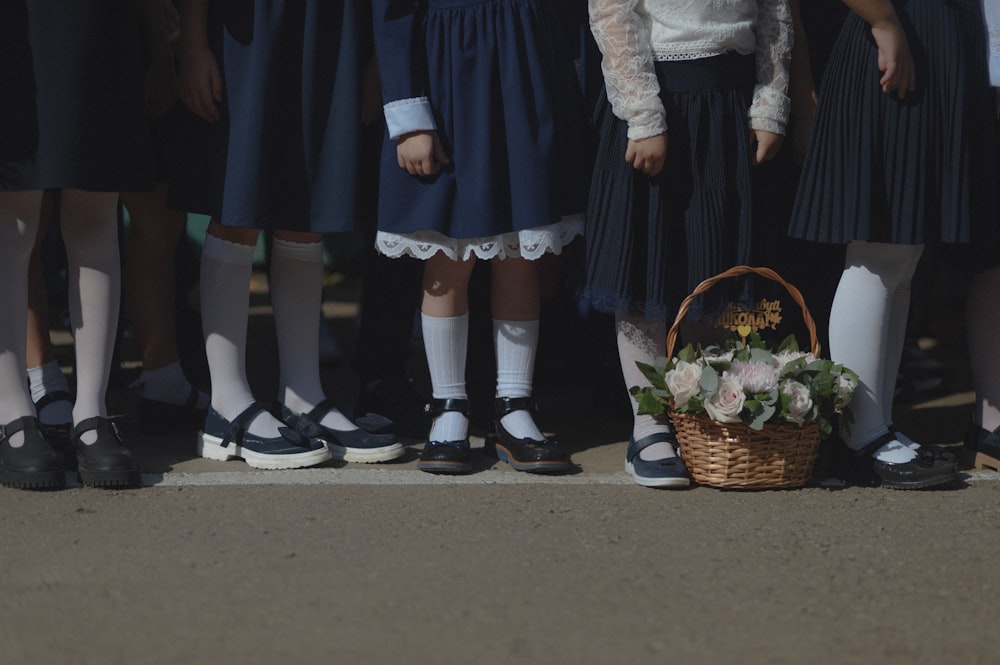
<point x="761" y="417"/>
<point x="652" y="374"/>
<point x="789" y="344"/>
<point x="761" y="355"/>
<point x="649" y="405"/>
<point x="709" y="381"/>
<point x="687" y="354"/>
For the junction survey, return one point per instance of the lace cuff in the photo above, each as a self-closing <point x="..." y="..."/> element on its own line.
<point x="409" y="115"/>
<point x="769" y="110"/>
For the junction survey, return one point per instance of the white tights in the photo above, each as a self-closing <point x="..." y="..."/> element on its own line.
<point x="867" y="330"/>
<point x="642" y="340"/>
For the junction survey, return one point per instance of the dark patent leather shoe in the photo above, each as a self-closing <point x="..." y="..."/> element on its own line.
<point x="106" y="462"/>
<point x="446" y="457"/>
<point x="33" y="464"/>
<point x="531" y="455"/>
<point x="930" y="468"/>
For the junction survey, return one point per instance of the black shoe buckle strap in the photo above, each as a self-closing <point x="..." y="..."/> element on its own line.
<point x="438" y="406"/>
<point x="506" y="405"/>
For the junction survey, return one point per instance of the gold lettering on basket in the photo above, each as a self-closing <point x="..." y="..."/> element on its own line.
<point x="766" y="314"/>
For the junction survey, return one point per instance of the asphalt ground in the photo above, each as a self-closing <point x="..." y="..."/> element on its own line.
<point x="216" y="562"/>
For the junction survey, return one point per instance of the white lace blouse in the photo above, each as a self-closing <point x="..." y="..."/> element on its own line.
<point x="632" y="34"/>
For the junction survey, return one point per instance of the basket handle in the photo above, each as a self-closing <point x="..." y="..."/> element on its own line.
<point x="734" y="272"/>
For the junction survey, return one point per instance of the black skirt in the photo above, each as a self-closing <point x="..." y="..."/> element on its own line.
<point x="915" y="171"/>
<point x="650" y="241"/>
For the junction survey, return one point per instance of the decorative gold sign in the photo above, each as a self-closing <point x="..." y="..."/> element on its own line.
<point x="767" y="314"/>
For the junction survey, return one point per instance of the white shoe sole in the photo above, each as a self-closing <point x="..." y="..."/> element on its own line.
<point x="365" y="456"/>
<point x="210" y="447"/>
<point x="668" y="483"/>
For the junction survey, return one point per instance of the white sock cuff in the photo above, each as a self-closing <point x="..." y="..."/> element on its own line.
<point x="47" y="378"/>
<point x="224" y="251"/>
<point x="297" y="251"/>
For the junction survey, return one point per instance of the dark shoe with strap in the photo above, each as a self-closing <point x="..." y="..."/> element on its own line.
<point x="373" y="441"/>
<point x="983" y="447"/>
<point x="531" y="455"/>
<point x="669" y="472"/>
<point x="446" y="457"/>
<point x="224" y="440"/>
<point x="33" y="464"/>
<point x="394" y="398"/>
<point x="930" y="468"/>
<point x="59" y="436"/>
<point x="158" y="418"/>
<point x="106" y="462"/>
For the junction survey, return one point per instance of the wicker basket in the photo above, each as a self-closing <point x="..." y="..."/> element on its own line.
<point x="734" y="456"/>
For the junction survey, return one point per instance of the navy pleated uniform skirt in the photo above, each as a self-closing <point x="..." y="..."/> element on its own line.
<point x="285" y="155"/>
<point x="650" y="241"/>
<point x="71" y="97"/>
<point x="915" y="171"/>
<point x="509" y="112"/>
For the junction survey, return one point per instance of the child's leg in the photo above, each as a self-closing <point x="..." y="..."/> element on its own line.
<point x="860" y="325"/>
<point x="89" y="223"/>
<point x="149" y="295"/>
<point x="44" y="375"/>
<point x="226" y="264"/>
<point x="296" y="295"/>
<point x="642" y="340"/>
<point x="983" y="320"/>
<point x="515" y="301"/>
<point x="445" y="323"/>
<point x="899" y="313"/>
<point x="18" y="227"/>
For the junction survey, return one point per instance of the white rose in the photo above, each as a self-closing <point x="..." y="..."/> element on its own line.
<point x="801" y="404"/>
<point x="725" y="404"/>
<point x="682" y="382"/>
<point x="846" y="385"/>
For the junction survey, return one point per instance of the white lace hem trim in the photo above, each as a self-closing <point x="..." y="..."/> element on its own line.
<point x="528" y="244"/>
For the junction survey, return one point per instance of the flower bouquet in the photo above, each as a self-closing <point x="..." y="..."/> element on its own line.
<point x="746" y="416"/>
<point x="750" y="384"/>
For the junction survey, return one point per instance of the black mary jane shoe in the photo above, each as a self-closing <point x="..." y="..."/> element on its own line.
<point x="529" y="455"/>
<point x="446" y="457"/>
<point x="158" y="418"/>
<point x="983" y="447"/>
<point x="33" y="464"/>
<point x="106" y="462"/>
<point x="930" y="468"/>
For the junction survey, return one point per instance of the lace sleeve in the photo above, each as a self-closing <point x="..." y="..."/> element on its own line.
<point x="629" y="75"/>
<point x="771" y="104"/>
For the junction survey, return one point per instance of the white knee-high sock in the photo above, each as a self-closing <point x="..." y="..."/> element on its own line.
<point x="983" y="321"/>
<point x="296" y="295"/>
<point x="516" y="343"/>
<point x="642" y="340"/>
<point x="859" y="329"/>
<point x="225" y="301"/>
<point x="90" y="231"/>
<point x="19" y="213"/>
<point x="446" y="341"/>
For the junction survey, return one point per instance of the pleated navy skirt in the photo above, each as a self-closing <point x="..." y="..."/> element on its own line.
<point x="916" y="171"/>
<point x="71" y="97"/>
<point x="650" y="241"/>
<point x="285" y="155"/>
<point x="509" y="112"/>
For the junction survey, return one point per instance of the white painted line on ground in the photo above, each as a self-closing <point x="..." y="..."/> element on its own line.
<point x="350" y="476"/>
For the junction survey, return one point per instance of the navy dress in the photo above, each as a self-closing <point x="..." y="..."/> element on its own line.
<point x="911" y="172"/>
<point x="285" y="154"/>
<point x="506" y="101"/>
<point x="71" y="97"/>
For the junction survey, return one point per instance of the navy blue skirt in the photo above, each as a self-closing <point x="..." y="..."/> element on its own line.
<point x="285" y="155"/>
<point x="650" y="241"/>
<point x="921" y="170"/>
<point x="71" y="97"/>
<point x="509" y="112"/>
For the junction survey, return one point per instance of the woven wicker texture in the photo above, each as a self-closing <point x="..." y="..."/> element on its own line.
<point x="733" y="456"/>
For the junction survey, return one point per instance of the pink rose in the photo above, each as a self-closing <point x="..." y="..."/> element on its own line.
<point x="682" y="382"/>
<point x="725" y="404"/>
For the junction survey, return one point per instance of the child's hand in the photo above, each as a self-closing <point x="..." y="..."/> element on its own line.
<point x="767" y="145"/>
<point x="647" y="154"/>
<point x="201" y="81"/>
<point x="894" y="59"/>
<point x="421" y="154"/>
